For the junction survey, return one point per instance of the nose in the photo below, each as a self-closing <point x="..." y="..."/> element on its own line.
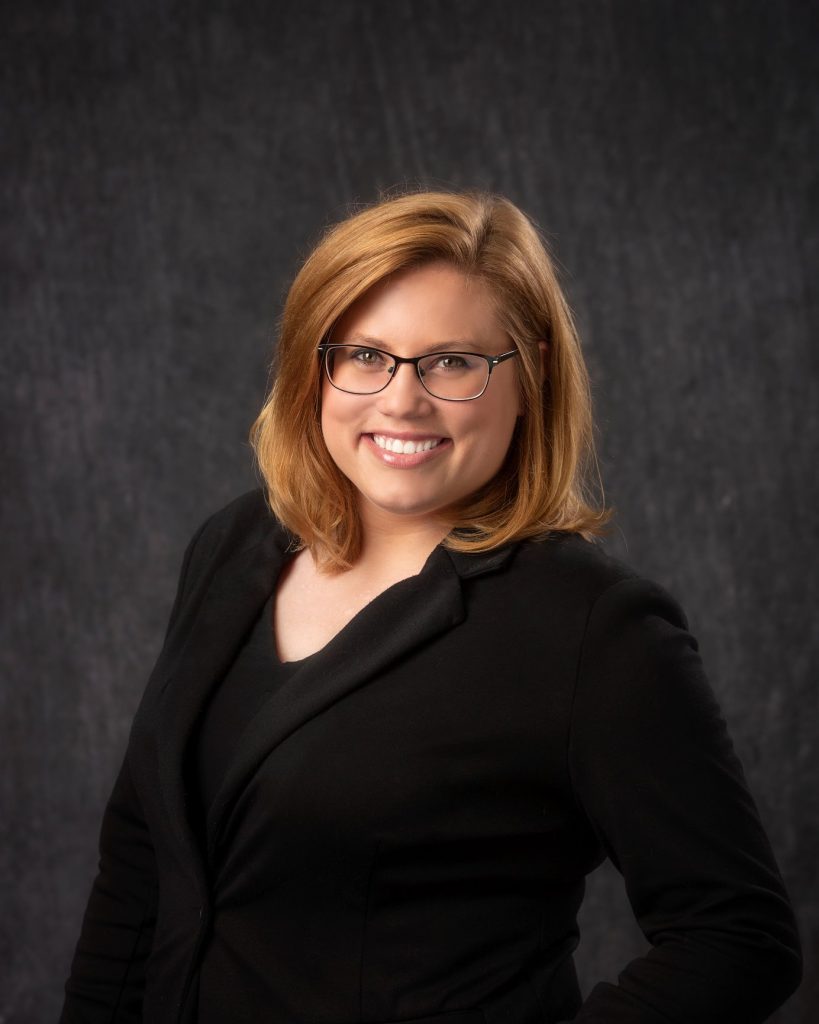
<point x="405" y="394"/>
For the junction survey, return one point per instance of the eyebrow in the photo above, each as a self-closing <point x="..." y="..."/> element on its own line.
<point x="454" y="345"/>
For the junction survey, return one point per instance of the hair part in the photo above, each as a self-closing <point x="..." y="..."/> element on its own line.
<point x="545" y="483"/>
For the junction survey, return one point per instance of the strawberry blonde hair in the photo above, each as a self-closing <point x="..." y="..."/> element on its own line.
<point x="544" y="483"/>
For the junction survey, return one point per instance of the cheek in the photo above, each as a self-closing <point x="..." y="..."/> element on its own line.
<point x="500" y="417"/>
<point x="490" y="433"/>
<point x="506" y="426"/>
<point x="340" y="419"/>
<point x="334" y="411"/>
<point x="329" y="422"/>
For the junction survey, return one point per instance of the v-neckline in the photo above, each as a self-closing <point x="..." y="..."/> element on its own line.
<point x="270" y="609"/>
<point x="270" y="638"/>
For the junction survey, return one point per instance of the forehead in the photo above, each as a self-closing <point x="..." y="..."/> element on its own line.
<point x="434" y="304"/>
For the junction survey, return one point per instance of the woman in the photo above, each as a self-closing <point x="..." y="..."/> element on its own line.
<point x="405" y="704"/>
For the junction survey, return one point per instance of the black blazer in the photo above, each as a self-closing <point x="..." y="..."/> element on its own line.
<point x="405" y="831"/>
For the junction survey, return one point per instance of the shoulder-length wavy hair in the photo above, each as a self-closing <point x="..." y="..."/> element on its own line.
<point x="544" y="483"/>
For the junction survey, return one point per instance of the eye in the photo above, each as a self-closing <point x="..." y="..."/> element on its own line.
<point x="447" y="362"/>
<point x="450" y="362"/>
<point x="366" y="358"/>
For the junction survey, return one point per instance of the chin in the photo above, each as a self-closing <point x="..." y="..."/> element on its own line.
<point x="404" y="507"/>
<point x="407" y="510"/>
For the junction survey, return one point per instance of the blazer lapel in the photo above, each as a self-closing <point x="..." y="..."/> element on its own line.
<point x="231" y="604"/>
<point x="404" y="617"/>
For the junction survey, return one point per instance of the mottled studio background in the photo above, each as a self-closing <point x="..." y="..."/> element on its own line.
<point x="164" y="167"/>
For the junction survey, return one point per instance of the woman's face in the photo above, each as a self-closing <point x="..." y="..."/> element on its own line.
<point x="414" y="313"/>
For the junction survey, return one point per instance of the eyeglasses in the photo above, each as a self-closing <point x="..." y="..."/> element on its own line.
<point x="451" y="376"/>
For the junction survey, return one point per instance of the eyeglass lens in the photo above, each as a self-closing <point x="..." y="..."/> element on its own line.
<point x="449" y="375"/>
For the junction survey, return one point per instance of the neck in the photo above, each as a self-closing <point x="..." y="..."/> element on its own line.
<point x="399" y="543"/>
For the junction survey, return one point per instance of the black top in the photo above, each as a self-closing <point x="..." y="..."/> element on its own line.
<point x="255" y="675"/>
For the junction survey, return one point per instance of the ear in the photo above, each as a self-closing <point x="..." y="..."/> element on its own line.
<point x="544" y="360"/>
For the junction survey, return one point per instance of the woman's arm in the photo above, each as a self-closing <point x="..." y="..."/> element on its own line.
<point x="656" y="775"/>
<point x="108" y="971"/>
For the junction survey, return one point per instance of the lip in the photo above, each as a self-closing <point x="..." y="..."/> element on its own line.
<point x="405" y="435"/>
<point x="398" y="460"/>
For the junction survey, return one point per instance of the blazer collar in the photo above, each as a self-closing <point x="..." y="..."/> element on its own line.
<point x="406" y="616"/>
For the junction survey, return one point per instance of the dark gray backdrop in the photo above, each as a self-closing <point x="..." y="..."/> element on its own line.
<point x="164" y="167"/>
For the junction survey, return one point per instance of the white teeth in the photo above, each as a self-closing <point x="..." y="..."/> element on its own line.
<point x="394" y="444"/>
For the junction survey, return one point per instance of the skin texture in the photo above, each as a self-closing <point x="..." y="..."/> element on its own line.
<point x="408" y="315"/>
<point x="412" y="314"/>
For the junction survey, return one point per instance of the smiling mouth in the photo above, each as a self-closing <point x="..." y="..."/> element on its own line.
<point x="399" y="447"/>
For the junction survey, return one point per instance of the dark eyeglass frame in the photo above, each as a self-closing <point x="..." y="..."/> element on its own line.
<point x="491" y="363"/>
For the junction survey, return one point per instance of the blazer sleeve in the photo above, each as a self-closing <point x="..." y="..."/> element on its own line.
<point x="108" y="970"/>
<point x="655" y="773"/>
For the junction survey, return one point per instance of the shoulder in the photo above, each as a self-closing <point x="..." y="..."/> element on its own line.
<point x="637" y="663"/>
<point x="569" y="567"/>
<point x="243" y="522"/>
<point x="248" y="510"/>
<point x="570" y="553"/>
<point x="604" y="600"/>
<point x="569" y="558"/>
<point x="639" y="684"/>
